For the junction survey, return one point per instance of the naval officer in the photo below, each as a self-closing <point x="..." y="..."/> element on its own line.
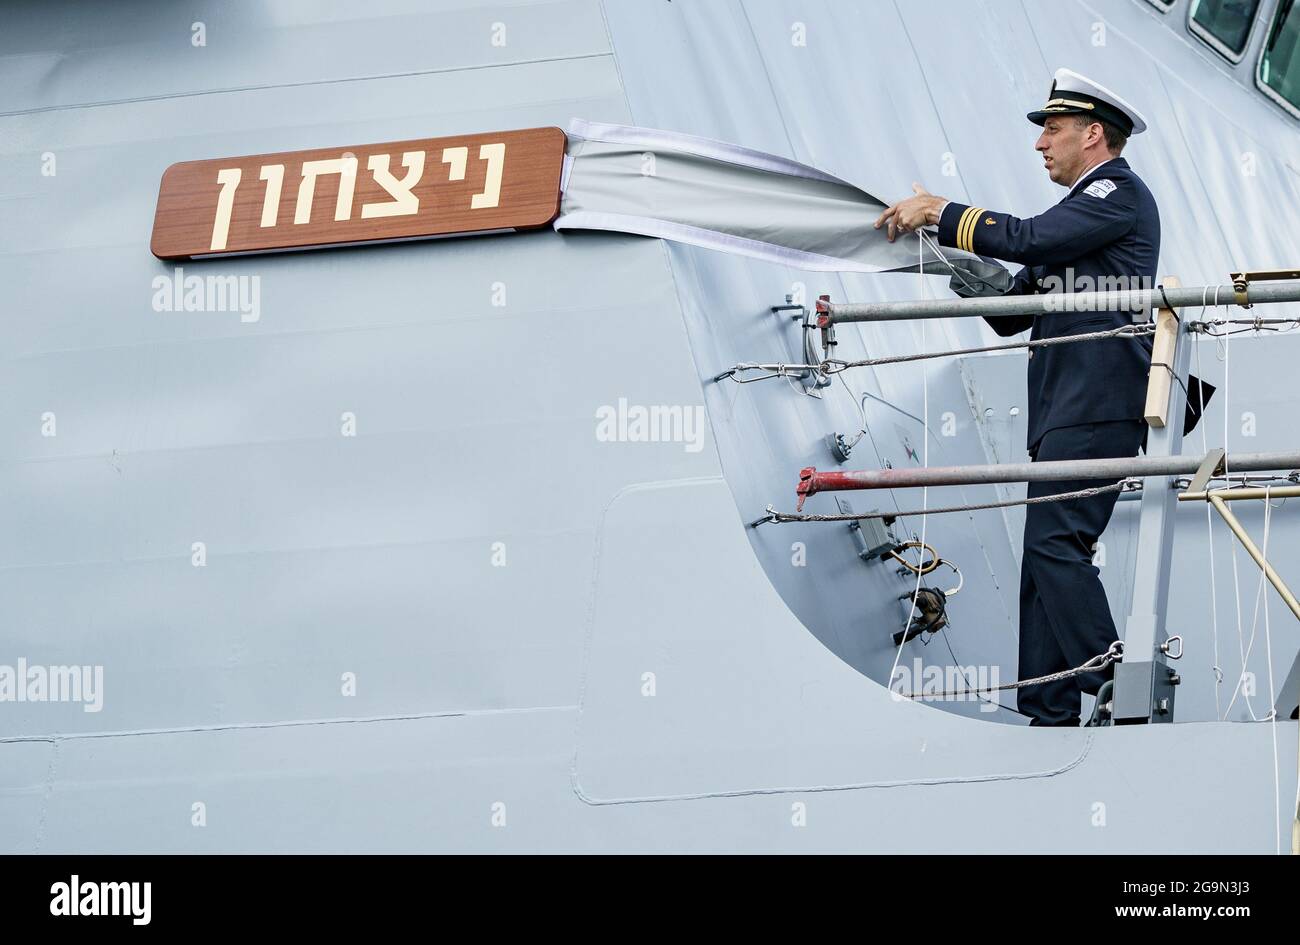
<point x="1086" y="399"/>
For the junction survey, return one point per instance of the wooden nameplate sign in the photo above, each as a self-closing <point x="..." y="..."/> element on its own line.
<point x="403" y="190"/>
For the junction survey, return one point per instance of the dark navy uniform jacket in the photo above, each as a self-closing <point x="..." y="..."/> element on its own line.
<point x="1108" y="226"/>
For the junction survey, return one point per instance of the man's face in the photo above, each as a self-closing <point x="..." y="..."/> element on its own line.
<point x="1061" y="145"/>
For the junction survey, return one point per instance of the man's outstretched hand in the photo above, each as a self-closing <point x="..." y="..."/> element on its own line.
<point x="912" y="213"/>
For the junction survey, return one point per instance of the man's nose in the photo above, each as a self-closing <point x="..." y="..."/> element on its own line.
<point x="1041" y="143"/>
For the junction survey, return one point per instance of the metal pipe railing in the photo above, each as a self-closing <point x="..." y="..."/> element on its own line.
<point x="1235" y="493"/>
<point x="1144" y="685"/>
<point x="1219" y="497"/>
<point x="1133" y="300"/>
<point x="811" y="481"/>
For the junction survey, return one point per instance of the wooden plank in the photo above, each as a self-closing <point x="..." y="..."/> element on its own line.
<point x="1160" y="379"/>
<point x="401" y="190"/>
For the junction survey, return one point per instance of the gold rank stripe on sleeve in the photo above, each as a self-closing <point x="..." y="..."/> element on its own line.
<point x="961" y="227"/>
<point x="966" y="228"/>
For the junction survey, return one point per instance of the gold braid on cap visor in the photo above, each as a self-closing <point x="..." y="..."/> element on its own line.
<point x="1069" y="103"/>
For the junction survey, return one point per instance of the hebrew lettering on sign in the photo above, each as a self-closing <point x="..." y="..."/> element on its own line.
<point x="404" y="190"/>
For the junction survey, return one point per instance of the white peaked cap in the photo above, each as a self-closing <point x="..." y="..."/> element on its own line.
<point x="1074" y="94"/>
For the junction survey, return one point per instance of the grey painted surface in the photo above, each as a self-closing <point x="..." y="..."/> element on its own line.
<point x="881" y="129"/>
<point x="373" y="554"/>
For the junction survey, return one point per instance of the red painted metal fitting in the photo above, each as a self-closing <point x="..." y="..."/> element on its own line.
<point x="823" y="311"/>
<point x="807" y="485"/>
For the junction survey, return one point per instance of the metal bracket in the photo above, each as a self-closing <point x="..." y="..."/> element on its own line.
<point x="1212" y="465"/>
<point x="1241" y="281"/>
<point x="1144" y="693"/>
<point x="826" y="325"/>
<point x="871" y="535"/>
<point x="811" y="380"/>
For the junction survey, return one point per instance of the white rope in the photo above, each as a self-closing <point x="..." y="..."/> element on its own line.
<point x="1232" y="546"/>
<point x="1260" y="595"/>
<point x="924" y="241"/>
<point x="1271" y="716"/>
<point x="1214" y="609"/>
<point x="1260" y="592"/>
<point x="862" y="413"/>
<point x="925" y="459"/>
<point x="798" y="388"/>
<point x="1245" y="647"/>
<point x="938" y="251"/>
<point x="1272" y="695"/>
<point x="1209" y="535"/>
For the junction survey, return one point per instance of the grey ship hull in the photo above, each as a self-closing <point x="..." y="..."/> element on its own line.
<point x="505" y="707"/>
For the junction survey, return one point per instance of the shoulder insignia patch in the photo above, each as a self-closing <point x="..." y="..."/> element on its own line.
<point x="1100" y="188"/>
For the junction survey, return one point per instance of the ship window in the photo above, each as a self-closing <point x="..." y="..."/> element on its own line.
<point x="1279" y="62"/>
<point x="1224" y="24"/>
